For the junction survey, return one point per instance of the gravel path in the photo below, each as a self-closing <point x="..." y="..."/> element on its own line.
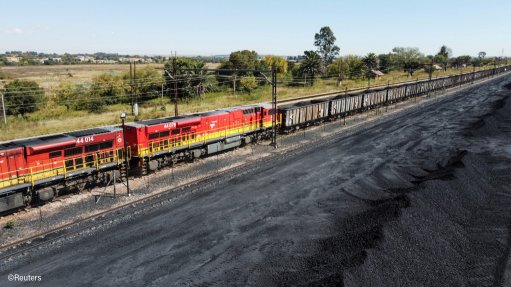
<point x="417" y="199"/>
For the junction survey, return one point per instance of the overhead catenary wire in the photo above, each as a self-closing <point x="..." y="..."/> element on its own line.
<point x="227" y="79"/>
<point x="147" y="83"/>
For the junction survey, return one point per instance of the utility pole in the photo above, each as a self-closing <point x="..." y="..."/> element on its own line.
<point x="3" y="109"/>
<point x="234" y="85"/>
<point x="131" y="86"/>
<point x="339" y="72"/>
<point x="473" y="72"/>
<point x="387" y="97"/>
<point x="135" y="87"/>
<point x="174" y="72"/>
<point x="162" y="105"/>
<point x="431" y="69"/>
<point x="125" y="152"/>
<point x="274" y="106"/>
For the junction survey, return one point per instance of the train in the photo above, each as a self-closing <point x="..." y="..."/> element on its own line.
<point x="38" y="169"/>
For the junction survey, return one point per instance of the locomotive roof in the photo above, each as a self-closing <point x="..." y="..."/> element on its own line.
<point x="93" y="131"/>
<point x="9" y="145"/>
<point x="153" y="122"/>
<point x="43" y="140"/>
<point x="175" y="119"/>
<point x="55" y="138"/>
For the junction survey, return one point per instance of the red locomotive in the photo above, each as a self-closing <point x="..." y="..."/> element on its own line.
<point x="159" y="142"/>
<point x="43" y="167"/>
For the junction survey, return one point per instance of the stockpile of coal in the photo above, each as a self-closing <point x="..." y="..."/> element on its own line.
<point x="419" y="198"/>
<point x="452" y="228"/>
<point x="446" y="224"/>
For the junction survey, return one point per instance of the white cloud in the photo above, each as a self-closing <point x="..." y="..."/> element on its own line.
<point x="14" y="31"/>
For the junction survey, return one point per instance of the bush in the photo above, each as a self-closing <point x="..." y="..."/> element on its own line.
<point x="248" y="83"/>
<point x="22" y="97"/>
<point x="10" y="224"/>
<point x="111" y="89"/>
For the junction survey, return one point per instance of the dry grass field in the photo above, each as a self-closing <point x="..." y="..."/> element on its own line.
<point x="48" y="76"/>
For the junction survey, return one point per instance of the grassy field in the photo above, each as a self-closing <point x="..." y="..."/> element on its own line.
<point x="48" y="76"/>
<point x="57" y="119"/>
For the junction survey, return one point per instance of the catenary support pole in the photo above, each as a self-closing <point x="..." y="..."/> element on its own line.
<point x="3" y="110"/>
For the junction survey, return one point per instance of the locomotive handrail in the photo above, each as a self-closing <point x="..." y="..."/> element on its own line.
<point x="32" y="176"/>
<point x="184" y="139"/>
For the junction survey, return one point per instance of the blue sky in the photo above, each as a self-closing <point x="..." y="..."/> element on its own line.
<point x="269" y="27"/>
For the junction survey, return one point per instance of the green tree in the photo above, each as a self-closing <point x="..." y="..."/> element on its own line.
<point x="240" y="60"/>
<point x="80" y="97"/>
<point x="111" y="89"/>
<point x="22" y="97"/>
<point x="385" y="63"/>
<point x="248" y="83"/>
<point x="148" y="84"/>
<point x="482" y="55"/>
<point x="408" y="59"/>
<point x="190" y="76"/>
<point x="461" y="61"/>
<point x="325" y="41"/>
<point x="442" y="57"/>
<point x="429" y="67"/>
<point x="311" y="65"/>
<point x="445" y="51"/>
<point x="67" y="95"/>
<point x="279" y="63"/>
<point x="340" y="69"/>
<point x="92" y="102"/>
<point x="371" y="63"/>
<point x="355" y="67"/>
<point x="442" y="60"/>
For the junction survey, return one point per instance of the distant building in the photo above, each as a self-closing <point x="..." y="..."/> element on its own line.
<point x="376" y="74"/>
<point x="104" y="61"/>
<point x="130" y="59"/>
<point x="13" y="59"/>
<point x="84" y="59"/>
<point x="295" y="58"/>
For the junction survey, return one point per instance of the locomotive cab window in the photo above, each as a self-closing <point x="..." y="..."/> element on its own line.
<point x="154" y="136"/>
<point x="175" y="132"/>
<point x="186" y="130"/>
<point x="164" y="134"/>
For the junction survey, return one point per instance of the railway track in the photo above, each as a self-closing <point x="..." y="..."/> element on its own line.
<point x="103" y="218"/>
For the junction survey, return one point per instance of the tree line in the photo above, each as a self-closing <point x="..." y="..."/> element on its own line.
<point x="189" y="78"/>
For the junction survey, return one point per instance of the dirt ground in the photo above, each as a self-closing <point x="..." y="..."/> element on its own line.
<point x="420" y="198"/>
